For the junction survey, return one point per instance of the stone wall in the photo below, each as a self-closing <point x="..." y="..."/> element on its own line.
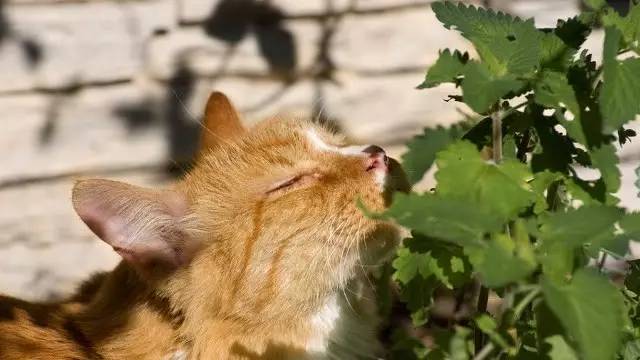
<point x="116" y="88"/>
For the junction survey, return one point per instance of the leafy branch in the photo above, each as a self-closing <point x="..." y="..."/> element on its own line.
<point x="522" y="220"/>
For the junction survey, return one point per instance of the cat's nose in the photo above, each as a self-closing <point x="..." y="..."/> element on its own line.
<point x="377" y="158"/>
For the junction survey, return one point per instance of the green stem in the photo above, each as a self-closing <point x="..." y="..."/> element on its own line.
<point x="483" y="300"/>
<point x="484" y="352"/>
<point x="496" y="125"/>
<point x="522" y="305"/>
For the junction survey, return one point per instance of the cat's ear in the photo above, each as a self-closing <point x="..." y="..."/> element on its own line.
<point x="146" y="227"/>
<point x="221" y="122"/>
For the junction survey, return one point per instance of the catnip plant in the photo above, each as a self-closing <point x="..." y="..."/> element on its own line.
<point x="510" y="210"/>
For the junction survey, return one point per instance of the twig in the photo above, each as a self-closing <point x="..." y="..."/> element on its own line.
<point x="603" y="258"/>
<point x="484" y="352"/>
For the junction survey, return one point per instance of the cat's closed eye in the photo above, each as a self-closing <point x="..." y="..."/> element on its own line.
<point x="293" y="182"/>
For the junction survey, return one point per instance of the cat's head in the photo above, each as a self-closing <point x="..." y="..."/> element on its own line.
<point x="267" y="219"/>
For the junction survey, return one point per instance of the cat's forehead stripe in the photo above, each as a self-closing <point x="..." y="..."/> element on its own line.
<point x="319" y="144"/>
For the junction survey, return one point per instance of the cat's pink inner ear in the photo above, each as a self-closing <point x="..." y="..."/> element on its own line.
<point x="145" y="227"/>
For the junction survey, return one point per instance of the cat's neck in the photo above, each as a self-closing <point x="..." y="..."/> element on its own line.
<point x="148" y="326"/>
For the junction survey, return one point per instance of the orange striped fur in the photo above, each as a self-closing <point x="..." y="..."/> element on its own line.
<point x="259" y="252"/>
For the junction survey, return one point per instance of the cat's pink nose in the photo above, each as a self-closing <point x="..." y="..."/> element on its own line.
<point x="377" y="158"/>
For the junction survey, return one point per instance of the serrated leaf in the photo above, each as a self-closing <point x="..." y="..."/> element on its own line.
<point x="422" y="150"/>
<point x="559" y="47"/>
<point x="481" y="89"/>
<point x="408" y="264"/>
<point x="445" y="262"/>
<point x="620" y="89"/>
<point x="573" y="31"/>
<point x="554" y="91"/>
<point x="588" y="224"/>
<point x="605" y="159"/>
<point x="447" y="68"/>
<point x="628" y="25"/>
<point x="560" y="350"/>
<point x="506" y="44"/>
<point x="462" y="173"/>
<point x="442" y="217"/>
<point x="580" y="305"/>
<point x="555" y="54"/>
<point x="501" y="262"/>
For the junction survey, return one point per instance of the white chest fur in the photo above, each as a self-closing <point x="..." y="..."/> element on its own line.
<point x="343" y="329"/>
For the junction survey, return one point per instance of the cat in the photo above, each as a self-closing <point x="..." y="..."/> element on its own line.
<point x="259" y="252"/>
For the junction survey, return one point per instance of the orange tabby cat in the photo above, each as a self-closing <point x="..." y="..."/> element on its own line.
<point x="260" y="252"/>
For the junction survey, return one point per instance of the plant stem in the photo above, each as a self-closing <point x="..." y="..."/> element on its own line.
<point x="512" y="109"/>
<point x="603" y="258"/>
<point x="483" y="299"/>
<point x="483" y="296"/>
<point x="484" y="352"/>
<point x="517" y="311"/>
<point x="496" y="125"/>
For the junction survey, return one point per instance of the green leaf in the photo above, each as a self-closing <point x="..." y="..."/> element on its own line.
<point x="540" y="185"/>
<point x="422" y="150"/>
<point x="554" y="91"/>
<point x="560" y="46"/>
<point x="547" y="325"/>
<point x="630" y="224"/>
<point x="481" y="89"/>
<point x="502" y="260"/>
<point x="631" y="350"/>
<point x="442" y="217"/>
<point x="588" y="224"/>
<point x="557" y="260"/>
<point x="407" y="265"/>
<point x="488" y="325"/>
<point x="560" y="350"/>
<point x="620" y="89"/>
<point x="506" y="44"/>
<point x="555" y="54"/>
<point x="417" y="294"/>
<point x="502" y="189"/>
<point x="406" y="347"/>
<point x="458" y="347"/>
<point x="448" y="68"/>
<point x="590" y="310"/>
<point x="629" y="25"/>
<point x="595" y="4"/>
<point x="605" y="159"/>
<point x="445" y="262"/>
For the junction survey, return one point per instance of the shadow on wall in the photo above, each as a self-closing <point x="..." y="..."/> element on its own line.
<point x="231" y="21"/>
